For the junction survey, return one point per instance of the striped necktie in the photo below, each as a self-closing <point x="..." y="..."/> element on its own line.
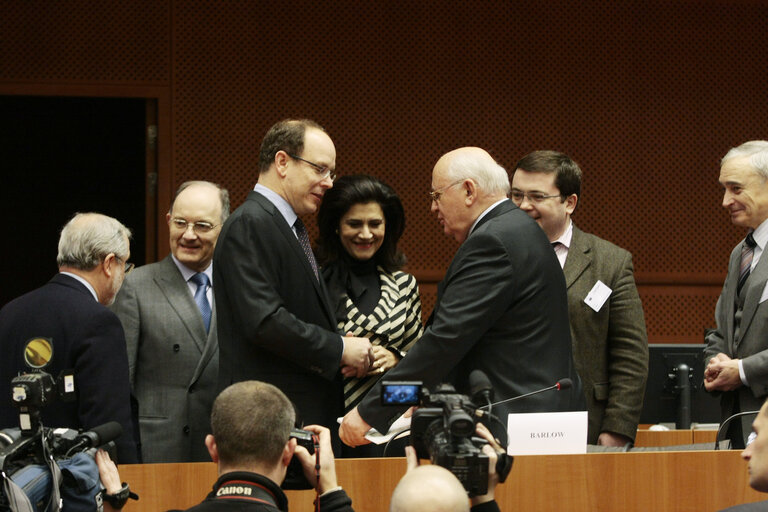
<point x="301" y="234"/>
<point x="747" y="253"/>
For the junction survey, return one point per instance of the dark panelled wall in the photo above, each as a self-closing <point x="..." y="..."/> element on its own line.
<point x="647" y="96"/>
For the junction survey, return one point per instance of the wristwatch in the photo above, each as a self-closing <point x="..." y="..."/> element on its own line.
<point x="117" y="500"/>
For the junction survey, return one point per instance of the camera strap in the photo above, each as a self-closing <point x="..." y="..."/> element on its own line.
<point x="56" y="479"/>
<point x="17" y="498"/>
<point x="244" y="490"/>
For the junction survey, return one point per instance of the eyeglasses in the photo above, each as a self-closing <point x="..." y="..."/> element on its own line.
<point x="198" y="227"/>
<point x="435" y="195"/>
<point x="128" y="266"/>
<point x="518" y="196"/>
<point x="324" y="172"/>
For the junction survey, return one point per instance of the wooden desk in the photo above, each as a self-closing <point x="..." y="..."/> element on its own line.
<point x="704" y="481"/>
<point x="673" y="437"/>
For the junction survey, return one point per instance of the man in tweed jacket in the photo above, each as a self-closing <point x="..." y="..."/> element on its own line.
<point x="610" y="346"/>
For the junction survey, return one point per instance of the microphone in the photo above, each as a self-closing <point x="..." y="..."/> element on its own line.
<point x="98" y="436"/>
<point x="727" y="421"/>
<point x="480" y="388"/>
<point x="559" y="385"/>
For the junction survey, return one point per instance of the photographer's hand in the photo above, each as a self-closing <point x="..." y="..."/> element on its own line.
<point x="411" y="459"/>
<point x="353" y="429"/>
<point x="492" y="450"/>
<point x="110" y="478"/>
<point x="327" y="479"/>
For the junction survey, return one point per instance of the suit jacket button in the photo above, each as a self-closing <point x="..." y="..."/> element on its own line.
<point x="186" y="429"/>
<point x="176" y="347"/>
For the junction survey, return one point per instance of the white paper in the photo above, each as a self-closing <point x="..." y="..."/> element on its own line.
<point x="597" y="296"/>
<point x="547" y="433"/>
<point x="396" y="428"/>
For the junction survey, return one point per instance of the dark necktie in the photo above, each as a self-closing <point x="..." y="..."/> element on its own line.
<point x="201" y="299"/>
<point x="301" y="233"/>
<point x="747" y="253"/>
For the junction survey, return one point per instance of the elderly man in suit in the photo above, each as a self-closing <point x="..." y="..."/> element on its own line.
<point x="737" y="351"/>
<point x="169" y="317"/>
<point x="610" y="346"/>
<point x="87" y="337"/>
<point x="501" y="307"/>
<point x="275" y="321"/>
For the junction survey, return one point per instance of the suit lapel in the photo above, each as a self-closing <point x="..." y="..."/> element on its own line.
<point x="579" y="257"/>
<point x="755" y="285"/>
<point x="211" y="346"/>
<point x="177" y="293"/>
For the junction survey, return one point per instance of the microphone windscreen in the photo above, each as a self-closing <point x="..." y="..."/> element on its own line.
<point x="107" y="432"/>
<point x="564" y="384"/>
<point x="479" y="382"/>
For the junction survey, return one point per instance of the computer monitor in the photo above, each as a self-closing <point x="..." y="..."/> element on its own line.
<point x="668" y="397"/>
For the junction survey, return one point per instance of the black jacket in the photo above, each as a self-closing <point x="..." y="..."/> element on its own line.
<point x="241" y="491"/>
<point x="87" y="338"/>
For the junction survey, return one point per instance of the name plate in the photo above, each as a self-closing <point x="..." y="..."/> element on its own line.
<point x="547" y="433"/>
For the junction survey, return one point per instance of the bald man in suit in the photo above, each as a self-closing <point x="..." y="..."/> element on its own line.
<point x="501" y="307"/>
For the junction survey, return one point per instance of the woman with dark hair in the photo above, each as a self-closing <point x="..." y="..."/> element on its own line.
<point x="361" y="220"/>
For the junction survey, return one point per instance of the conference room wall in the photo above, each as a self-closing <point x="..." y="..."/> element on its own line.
<point x="646" y="95"/>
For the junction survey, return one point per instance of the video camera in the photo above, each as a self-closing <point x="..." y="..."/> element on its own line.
<point x="33" y="459"/>
<point x="442" y="429"/>
<point x="34" y="390"/>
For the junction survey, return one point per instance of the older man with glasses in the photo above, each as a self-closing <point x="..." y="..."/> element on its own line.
<point x="501" y="307"/>
<point x="169" y="316"/>
<point x="87" y="337"/>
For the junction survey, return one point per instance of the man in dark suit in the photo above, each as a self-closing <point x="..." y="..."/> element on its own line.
<point x="737" y="351"/>
<point x="170" y="329"/>
<point x="87" y="337"/>
<point x="275" y="323"/>
<point x="610" y="345"/>
<point x="501" y="307"/>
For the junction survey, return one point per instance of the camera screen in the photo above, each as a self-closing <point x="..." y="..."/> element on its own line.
<point x="400" y="393"/>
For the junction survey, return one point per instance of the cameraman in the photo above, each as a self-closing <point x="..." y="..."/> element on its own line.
<point x="251" y="423"/>
<point x="435" y="489"/>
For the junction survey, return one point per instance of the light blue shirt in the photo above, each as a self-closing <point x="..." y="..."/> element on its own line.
<point x="281" y="204"/>
<point x="187" y="274"/>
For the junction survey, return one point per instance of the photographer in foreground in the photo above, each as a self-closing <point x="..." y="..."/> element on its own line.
<point x="435" y="489"/>
<point x="251" y="424"/>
